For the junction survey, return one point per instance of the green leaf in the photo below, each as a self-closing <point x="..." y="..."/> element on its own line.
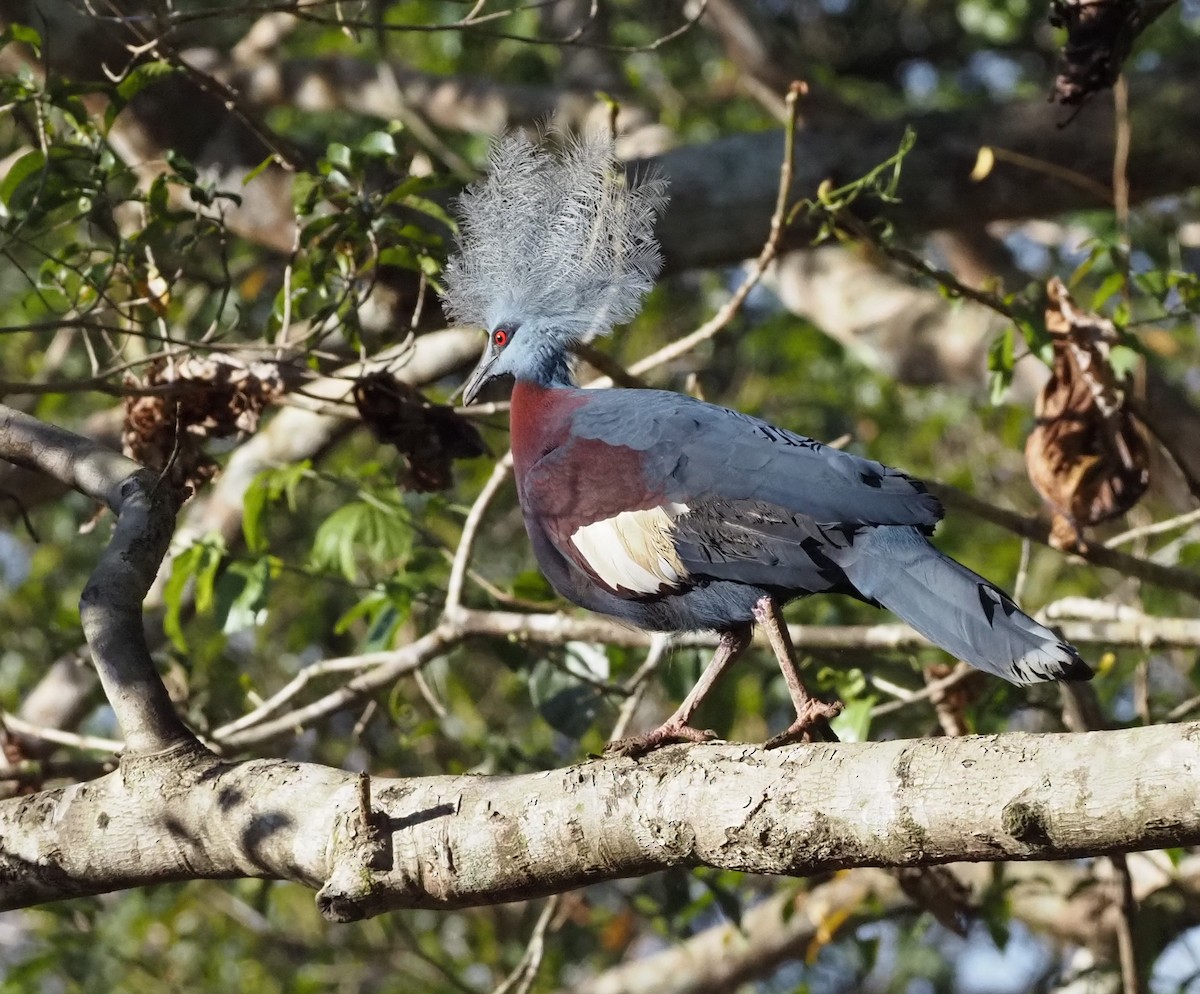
<point x="265" y="489"/>
<point x="306" y="191"/>
<point x="378" y="144"/>
<point x="241" y="595"/>
<point x="338" y="180"/>
<point x="380" y="530"/>
<point x="183" y="568"/>
<point x="1124" y="360"/>
<point x="333" y="545"/>
<point x="565" y="702"/>
<point x="339" y="155"/>
<point x="1001" y="357"/>
<point x="253" y="505"/>
<point x="1109" y="287"/>
<point x="199" y="563"/>
<point x="383" y="629"/>
<point x="369" y="607"/>
<point x="854" y="723"/>
<point x="206" y="573"/>
<point x="258" y="170"/>
<point x="28" y="165"/>
<point x="138" y="78"/>
<point x="430" y="209"/>
<point x="400" y="256"/>
<point x="183" y="166"/>
<point x="21" y="33"/>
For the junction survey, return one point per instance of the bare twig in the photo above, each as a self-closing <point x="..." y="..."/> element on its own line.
<point x="1181" y="711"/>
<point x="930" y="691"/>
<point x="379" y="670"/>
<point x="1122" y="143"/>
<point x="56" y="736"/>
<point x="1155" y="528"/>
<point x="525" y="972"/>
<point x="462" y="555"/>
<point x="636" y="685"/>
<point x="1126" y="905"/>
<point x="731" y="307"/>
<point x="1185" y="581"/>
<point x="21" y="509"/>
<point x="375" y="670"/>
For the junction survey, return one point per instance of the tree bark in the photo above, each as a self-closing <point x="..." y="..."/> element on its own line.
<point x="457" y="841"/>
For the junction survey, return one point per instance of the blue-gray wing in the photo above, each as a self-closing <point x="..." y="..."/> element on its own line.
<point x="700" y="451"/>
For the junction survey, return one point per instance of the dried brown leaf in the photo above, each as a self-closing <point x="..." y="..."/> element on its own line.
<point x="200" y="397"/>
<point x="1100" y="36"/>
<point x="429" y="436"/>
<point x="939" y="891"/>
<point x="1087" y="456"/>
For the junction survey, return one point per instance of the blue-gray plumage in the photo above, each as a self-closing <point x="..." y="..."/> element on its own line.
<point x="671" y="513"/>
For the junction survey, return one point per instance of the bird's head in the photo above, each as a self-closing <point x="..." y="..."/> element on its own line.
<point x="520" y="352"/>
<point x="554" y="249"/>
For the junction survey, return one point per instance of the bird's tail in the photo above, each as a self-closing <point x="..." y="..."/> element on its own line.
<point x="959" y="610"/>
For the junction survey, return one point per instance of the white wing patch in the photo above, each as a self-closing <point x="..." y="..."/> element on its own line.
<point x="634" y="551"/>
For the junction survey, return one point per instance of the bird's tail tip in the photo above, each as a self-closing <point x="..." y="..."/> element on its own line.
<point x="1051" y="661"/>
<point x="1074" y="669"/>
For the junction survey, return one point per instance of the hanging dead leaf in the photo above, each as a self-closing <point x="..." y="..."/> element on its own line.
<point x="429" y="436"/>
<point x="940" y="892"/>
<point x="1086" y="457"/>
<point x="951" y="703"/>
<point x="196" y="398"/>
<point x="1100" y="36"/>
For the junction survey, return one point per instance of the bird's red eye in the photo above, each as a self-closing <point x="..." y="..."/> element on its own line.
<point x="500" y="337"/>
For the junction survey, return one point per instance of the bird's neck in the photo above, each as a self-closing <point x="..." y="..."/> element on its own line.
<point x="540" y="419"/>
<point x="547" y="366"/>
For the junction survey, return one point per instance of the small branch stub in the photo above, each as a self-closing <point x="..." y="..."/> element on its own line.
<point x="1025" y="821"/>
<point x="374" y="826"/>
<point x="360" y="849"/>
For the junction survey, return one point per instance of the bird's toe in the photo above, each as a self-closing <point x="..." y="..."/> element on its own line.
<point x="667" y="733"/>
<point x="811" y="725"/>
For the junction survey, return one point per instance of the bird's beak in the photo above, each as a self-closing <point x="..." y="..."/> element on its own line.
<point x="479" y="376"/>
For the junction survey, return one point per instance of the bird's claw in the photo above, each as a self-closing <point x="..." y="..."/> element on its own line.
<point x="666" y="734"/>
<point x="811" y="725"/>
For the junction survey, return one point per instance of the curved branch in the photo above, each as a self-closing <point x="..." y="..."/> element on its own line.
<point x="110" y="606"/>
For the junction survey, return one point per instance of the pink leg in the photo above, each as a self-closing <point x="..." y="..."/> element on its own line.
<point x="812" y="714"/>
<point x="678" y="727"/>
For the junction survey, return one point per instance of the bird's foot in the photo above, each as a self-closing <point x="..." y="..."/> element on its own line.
<point x="811" y="725"/>
<point x="667" y="733"/>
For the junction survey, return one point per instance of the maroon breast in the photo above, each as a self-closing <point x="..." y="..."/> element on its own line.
<point x="590" y="499"/>
<point x="571" y="480"/>
<point x="540" y="421"/>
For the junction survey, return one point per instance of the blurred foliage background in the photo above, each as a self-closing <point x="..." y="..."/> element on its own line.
<point x="209" y="213"/>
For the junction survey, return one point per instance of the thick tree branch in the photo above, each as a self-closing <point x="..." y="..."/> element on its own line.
<point x="469" y="840"/>
<point x="111" y="603"/>
<point x="722" y="193"/>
